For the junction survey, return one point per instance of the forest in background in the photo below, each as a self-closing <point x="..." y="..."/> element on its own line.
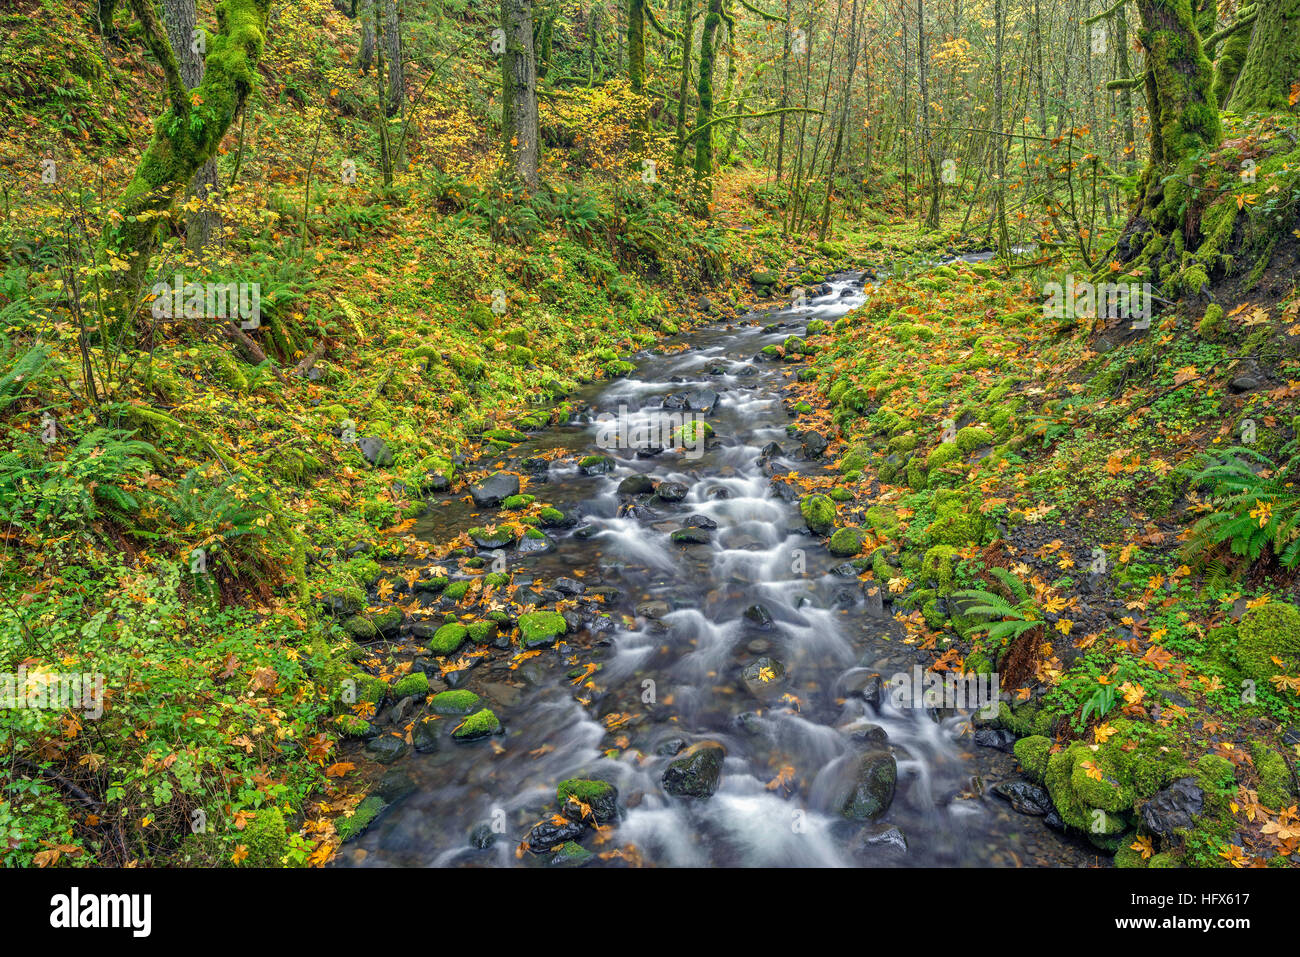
<point x="450" y="216"/>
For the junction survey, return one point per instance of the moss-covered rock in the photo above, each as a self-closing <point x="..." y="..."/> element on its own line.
<point x="1032" y="753"/>
<point x="846" y="541"/>
<point x="448" y="639"/>
<point x="415" y="683"/>
<point x="1267" y="632"/>
<point x="478" y="725"/>
<point x="818" y="512"/>
<point x="600" y="796"/>
<point x="1275" y="788"/>
<point x="351" y="827"/>
<point x="265" y="839"/>
<point x="458" y="701"/>
<point x="540" y="628"/>
<point x="937" y="566"/>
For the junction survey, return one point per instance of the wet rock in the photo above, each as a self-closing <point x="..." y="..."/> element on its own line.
<point x="1025" y="798"/>
<point x="812" y="444"/>
<point x="759" y="646"/>
<point x="482" y="836"/>
<point x="845" y="570"/>
<point x="395" y="785"/>
<point x="490" y="492"/>
<point x="1244" y="383"/>
<point x="434" y="483"/>
<point x="759" y="617"/>
<point x="873" y="598"/>
<point x="784" y="491"/>
<point x="596" y="465"/>
<point x="600" y="797"/>
<point x="425" y="735"/>
<point x="699" y="521"/>
<point x="697" y="772"/>
<point x="570" y="854"/>
<point x="764" y="677"/>
<point x="671" y="491"/>
<point x="654" y="608"/>
<point x="535" y="544"/>
<point x="553" y="832"/>
<point x="675" y="402"/>
<point x="555" y="518"/>
<point x="636" y="485"/>
<point x="387" y="748"/>
<point x="492" y="538"/>
<point x="569" y="586"/>
<point x="691" y="536"/>
<point x="872" y="789"/>
<point x="375" y="450"/>
<point x="535" y="466"/>
<point x="1174" y="808"/>
<point x="872" y="736"/>
<point x="670" y="746"/>
<point x="884" y="836"/>
<point x="996" y="738"/>
<point x="705" y="401"/>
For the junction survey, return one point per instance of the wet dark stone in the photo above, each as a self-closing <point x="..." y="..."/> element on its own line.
<point x="759" y="616"/>
<point x="670" y="746"/>
<point x="654" y="608"/>
<point x="552" y="833"/>
<point x="1244" y="383"/>
<point x="425" y="736"/>
<point x="696" y="773"/>
<point x="636" y="485"/>
<point x="784" y="491"/>
<point x="1025" y="798"/>
<point x="846" y="570"/>
<point x="813" y="444"/>
<point x="598" y="465"/>
<point x="387" y="748"/>
<point x="492" y="490"/>
<point x="534" y="465"/>
<point x="699" y="521"/>
<point x="764" y="677"/>
<point x="675" y="402"/>
<point x="690" y="536"/>
<point x="872" y="790"/>
<point x="569" y="586"/>
<point x="997" y="738"/>
<point x="434" y="483"/>
<point x="497" y="538"/>
<point x="704" y="401"/>
<point x="671" y="491"/>
<point x="884" y="836"/>
<point x="1174" y="808"/>
<point x="482" y="836"/>
<point x="604" y="807"/>
<point x="528" y="545"/>
<point x="395" y="785"/>
<point x="871" y="735"/>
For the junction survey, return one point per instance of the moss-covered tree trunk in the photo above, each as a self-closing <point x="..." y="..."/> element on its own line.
<point x="684" y="78"/>
<point x="185" y="137"/>
<point x="1227" y="66"/>
<point x="181" y="18"/>
<point x="1184" y="115"/>
<point x="1272" y="62"/>
<point x="519" y="123"/>
<point x="703" y="131"/>
<point x="366" y="17"/>
<point x="636" y="67"/>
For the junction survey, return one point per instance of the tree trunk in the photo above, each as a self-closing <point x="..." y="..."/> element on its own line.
<point x="932" y="158"/>
<point x="1232" y="54"/>
<point x="519" y="123"/>
<point x="1184" y="117"/>
<point x="785" y="91"/>
<point x="185" y="137"/>
<point x="393" y="53"/>
<point x="1272" y="63"/>
<point x="684" y="80"/>
<point x="636" y="69"/>
<point x="367" y="17"/>
<point x="190" y="43"/>
<point x="704" y="94"/>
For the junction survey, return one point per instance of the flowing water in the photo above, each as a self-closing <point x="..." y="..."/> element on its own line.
<point x="670" y="673"/>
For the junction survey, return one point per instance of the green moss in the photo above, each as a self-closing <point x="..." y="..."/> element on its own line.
<point x="1275" y="787"/>
<point x="1032" y="753"/>
<point x="540" y="628"/>
<point x="346" y="599"/>
<point x="415" y="683"/>
<point x="477" y="725"/>
<point x="447" y="639"/>
<point x="956" y="523"/>
<point x="1212" y="324"/>
<point x="497" y="579"/>
<point x="481" y="632"/>
<point x="846" y="541"/>
<point x="348" y="828"/>
<point x="883" y="520"/>
<point x="937" y="566"/>
<point x="512" y="502"/>
<point x="459" y="701"/>
<point x="972" y="437"/>
<point x="456" y="590"/>
<point x="818" y="512"/>
<point x="1267" y="632"/>
<point x="586" y="791"/>
<point x="1127" y="857"/>
<point x="351" y="726"/>
<point x="265" y="839"/>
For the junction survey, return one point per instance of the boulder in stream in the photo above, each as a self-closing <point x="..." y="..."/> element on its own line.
<point x="494" y="489"/>
<point x="875" y="775"/>
<point x="697" y="772"/>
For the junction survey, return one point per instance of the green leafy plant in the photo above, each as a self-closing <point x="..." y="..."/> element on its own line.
<point x="1254" y="509"/>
